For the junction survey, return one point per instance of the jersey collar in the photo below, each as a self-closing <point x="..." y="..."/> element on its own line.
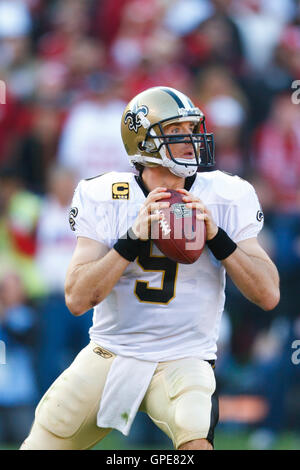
<point x="189" y="181"/>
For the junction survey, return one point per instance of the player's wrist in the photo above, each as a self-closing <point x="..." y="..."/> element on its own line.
<point x="221" y="245"/>
<point x="211" y="232"/>
<point x="135" y="231"/>
<point x="129" y="245"/>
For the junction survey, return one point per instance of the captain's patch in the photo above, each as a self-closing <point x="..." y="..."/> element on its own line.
<point x="120" y="191"/>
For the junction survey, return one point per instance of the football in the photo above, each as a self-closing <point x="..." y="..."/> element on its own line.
<point x="179" y="235"/>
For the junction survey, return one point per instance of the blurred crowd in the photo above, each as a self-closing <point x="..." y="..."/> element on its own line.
<point x="69" y="67"/>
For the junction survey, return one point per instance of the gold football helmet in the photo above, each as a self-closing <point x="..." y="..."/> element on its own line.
<point x="142" y="130"/>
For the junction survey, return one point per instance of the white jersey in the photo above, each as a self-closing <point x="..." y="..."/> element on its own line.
<point x="161" y="310"/>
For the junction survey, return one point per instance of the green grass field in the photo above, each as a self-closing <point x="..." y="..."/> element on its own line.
<point x="223" y="441"/>
<point x="227" y="437"/>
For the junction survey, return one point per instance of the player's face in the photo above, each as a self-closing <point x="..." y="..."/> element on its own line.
<point x="185" y="150"/>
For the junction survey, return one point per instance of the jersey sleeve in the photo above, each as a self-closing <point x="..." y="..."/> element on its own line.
<point x="88" y="218"/>
<point x="245" y="216"/>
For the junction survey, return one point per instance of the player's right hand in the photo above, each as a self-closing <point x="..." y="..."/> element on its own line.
<point x="149" y="212"/>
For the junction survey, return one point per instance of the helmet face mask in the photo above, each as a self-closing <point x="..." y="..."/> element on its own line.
<point x="202" y="142"/>
<point x="145" y="140"/>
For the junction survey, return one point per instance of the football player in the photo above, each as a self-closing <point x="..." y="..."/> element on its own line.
<point x="156" y="322"/>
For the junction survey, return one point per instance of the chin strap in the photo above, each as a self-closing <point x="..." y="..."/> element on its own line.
<point x="178" y="170"/>
<point x="182" y="171"/>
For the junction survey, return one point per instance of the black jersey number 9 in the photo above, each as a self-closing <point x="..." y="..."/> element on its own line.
<point x="154" y="263"/>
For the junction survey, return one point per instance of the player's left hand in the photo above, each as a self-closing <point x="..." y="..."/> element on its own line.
<point x="202" y="213"/>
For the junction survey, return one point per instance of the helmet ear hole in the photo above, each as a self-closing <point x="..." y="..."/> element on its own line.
<point x="141" y="146"/>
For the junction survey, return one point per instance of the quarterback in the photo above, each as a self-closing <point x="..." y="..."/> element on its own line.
<point x="156" y="322"/>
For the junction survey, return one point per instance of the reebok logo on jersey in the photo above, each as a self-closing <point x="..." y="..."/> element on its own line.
<point x="102" y="352"/>
<point x="120" y="191"/>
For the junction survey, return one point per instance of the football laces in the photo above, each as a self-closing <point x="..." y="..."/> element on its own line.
<point x="165" y="228"/>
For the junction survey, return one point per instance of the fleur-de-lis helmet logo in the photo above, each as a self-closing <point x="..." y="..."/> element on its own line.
<point x="133" y="118"/>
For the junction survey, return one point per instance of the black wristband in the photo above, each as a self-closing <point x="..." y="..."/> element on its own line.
<point x="221" y="245"/>
<point x="128" y="246"/>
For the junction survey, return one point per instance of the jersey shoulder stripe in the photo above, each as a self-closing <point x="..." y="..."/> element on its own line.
<point x="94" y="177"/>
